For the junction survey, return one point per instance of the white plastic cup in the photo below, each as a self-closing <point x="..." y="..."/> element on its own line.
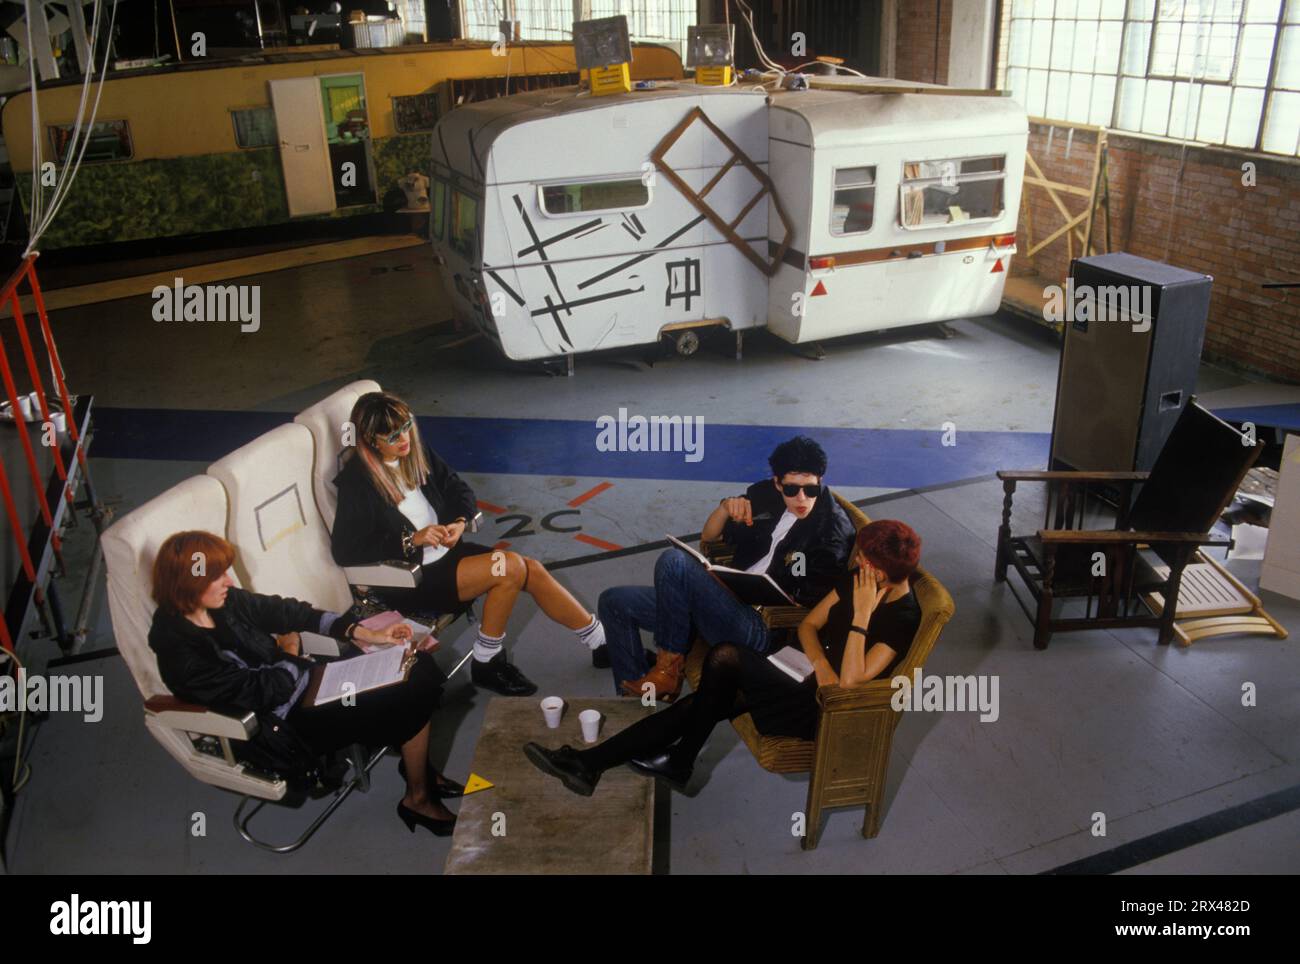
<point x="25" y="408"/>
<point x="60" y="422"/>
<point x="552" y="709"/>
<point x="590" y="720"/>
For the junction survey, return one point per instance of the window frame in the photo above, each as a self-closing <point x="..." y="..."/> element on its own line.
<point x="904" y="183"/>
<point x="1146" y="14"/>
<point x="874" y="184"/>
<point x="60" y="160"/>
<point x="541" y="196"/>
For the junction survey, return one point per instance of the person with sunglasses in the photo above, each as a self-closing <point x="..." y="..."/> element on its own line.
<point x="788" y="526"/>
<point x="398" y="500"/>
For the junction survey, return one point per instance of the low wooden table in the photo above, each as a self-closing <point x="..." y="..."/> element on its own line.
<point x="549" y="829"/>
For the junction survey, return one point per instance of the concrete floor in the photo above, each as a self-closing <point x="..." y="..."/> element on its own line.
<point x="1105" y="722"/>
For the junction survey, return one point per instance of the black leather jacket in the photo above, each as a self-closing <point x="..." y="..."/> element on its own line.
<point x="191" y="664"/>
<point x="825" y="538"/>
<point x="367" y="529"/>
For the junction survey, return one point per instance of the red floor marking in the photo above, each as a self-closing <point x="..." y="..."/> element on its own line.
<point x="501" y="545"/>
<point x="494" y="509"/>
<point x="590" y="494"/>
<point x="598" y="543"/>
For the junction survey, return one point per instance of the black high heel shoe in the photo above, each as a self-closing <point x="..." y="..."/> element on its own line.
<point x="439" y="828"/>
<point x="446" y="790"/>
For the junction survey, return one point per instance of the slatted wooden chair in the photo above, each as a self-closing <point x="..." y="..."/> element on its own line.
<point x="1109" y="572"/>
<point x="848" y="760"/>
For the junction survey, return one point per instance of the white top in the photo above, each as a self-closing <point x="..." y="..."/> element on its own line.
<point x="419" y="513"/>
<point x="783" y="525"/>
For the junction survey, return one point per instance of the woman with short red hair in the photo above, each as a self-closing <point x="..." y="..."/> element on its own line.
<point x="861" y="630"/>
<point x="237" y="652"/>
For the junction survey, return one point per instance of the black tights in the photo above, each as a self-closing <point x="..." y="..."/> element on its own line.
<point x="687" y="722"/>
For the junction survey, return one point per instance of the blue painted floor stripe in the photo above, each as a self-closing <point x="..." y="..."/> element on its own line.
<point x="1274" y="416"/>
<point x="887" y="458"/>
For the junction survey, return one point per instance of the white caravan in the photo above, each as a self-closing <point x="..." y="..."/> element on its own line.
<point x="566" y="223"/>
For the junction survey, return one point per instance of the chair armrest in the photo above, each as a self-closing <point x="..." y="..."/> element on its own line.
<point x="179" y="715"/>
<point x="1027" y="475"/>
<point x="876" y="694"/>
<point x="392" y="574"/>
<point x="1118" y="537"/>
<point x="717" y="551"/>
<point x="782" y="617"/>
<point x="314" y="644"/>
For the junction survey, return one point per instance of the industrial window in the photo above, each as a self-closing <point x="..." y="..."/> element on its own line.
<point x="106" y="141"/>
<point x="854" y="204"/>
<point x="464" y="225"/>
<point x="415" y="112"/>
<point x="255" y="127"/>
<point x="653" y="21"/>
<point x="438" y="208"/>
<point x="1212" y="71"/>
<point x="594" y="196"/>
<point x="949" y="191"/>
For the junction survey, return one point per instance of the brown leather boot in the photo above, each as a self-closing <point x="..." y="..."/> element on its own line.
<point x="666" y="677"/>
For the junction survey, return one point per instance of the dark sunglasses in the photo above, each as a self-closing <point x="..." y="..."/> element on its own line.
<point x="392" y="437"/>
<point x="791" y="490"/>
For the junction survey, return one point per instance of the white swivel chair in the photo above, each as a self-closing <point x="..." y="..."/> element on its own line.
<point x="196" y="737"/>
<point x="326" y="421"/>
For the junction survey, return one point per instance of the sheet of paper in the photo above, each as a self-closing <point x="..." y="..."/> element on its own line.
<point x="360" y="673"/>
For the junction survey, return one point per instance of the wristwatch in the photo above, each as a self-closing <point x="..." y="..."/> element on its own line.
<point x="858" y="629"/>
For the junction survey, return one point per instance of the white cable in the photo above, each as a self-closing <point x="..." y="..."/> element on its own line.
<point x="64" y="184"/>
<point x="36" y="136"/>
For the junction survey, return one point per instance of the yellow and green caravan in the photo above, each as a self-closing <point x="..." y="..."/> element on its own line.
<point x="199" y="147"/>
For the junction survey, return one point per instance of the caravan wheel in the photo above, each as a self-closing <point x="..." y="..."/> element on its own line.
<point x="687" y="343"/>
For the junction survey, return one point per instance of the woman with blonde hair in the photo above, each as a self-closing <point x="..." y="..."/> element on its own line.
<point x="399" y="500"/>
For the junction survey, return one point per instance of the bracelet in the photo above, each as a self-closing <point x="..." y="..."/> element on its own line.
<point x="858" y="629"/>
<point x="408" y="547"/>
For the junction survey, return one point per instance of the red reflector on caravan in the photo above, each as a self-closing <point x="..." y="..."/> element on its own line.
<point x="821" y="263"/>
<point x="997" y="267"/>
<point x="1005" y="240"/>
<point x="819" y="290"/>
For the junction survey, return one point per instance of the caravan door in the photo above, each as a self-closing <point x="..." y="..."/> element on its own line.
<point x="303" y="155"/>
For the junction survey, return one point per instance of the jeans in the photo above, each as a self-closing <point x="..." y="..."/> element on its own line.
<point x="684" y="596"/>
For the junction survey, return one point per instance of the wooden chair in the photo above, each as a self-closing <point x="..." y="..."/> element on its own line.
<point x="849" y="758"/>
<point x="1112" y="570"/>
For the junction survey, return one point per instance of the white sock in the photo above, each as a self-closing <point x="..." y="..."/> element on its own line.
<point x="593" y="634"/>
<point x="485" y="647"/>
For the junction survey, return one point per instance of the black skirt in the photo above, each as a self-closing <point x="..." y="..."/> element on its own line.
<point x="779" y="705"/>
<point x="436" y="592"/>
<point x="384" y="717"/>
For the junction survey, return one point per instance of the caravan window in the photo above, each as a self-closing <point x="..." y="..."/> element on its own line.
<point x="593" y="196"/>
<point x="438" y="208"/>
<point x="854" y="203"/>
<point x="951" y="190"/>
<point x="464" y="225"/>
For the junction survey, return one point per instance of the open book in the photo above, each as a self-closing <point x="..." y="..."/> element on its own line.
<point x="751" y="588"/>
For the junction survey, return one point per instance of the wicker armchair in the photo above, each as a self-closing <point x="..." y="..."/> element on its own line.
<point x="849" y="757"/>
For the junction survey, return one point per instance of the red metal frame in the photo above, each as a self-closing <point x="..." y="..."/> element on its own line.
<point x="9" y="296"/>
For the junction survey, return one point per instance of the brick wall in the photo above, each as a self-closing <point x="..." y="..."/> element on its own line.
<point x="918" y="23"/>
<point x="1207" y="220"/>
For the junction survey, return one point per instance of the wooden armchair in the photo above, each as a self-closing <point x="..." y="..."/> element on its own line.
<point x="1110" y="571"/>
<point x="849" y="757"/>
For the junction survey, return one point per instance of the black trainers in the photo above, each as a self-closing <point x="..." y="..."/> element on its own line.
<point x="565" y="765"/>
<point x="501" y="677"/>
<point x="600" y="656"/>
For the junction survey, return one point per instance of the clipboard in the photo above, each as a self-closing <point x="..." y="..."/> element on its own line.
<point x="370" y="670"/>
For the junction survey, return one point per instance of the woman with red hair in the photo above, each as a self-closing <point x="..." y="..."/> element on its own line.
<point x="861" y="630"/>
<point x="237" y="652"/>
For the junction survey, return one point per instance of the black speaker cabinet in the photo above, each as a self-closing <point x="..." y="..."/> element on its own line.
<point x="1133" y="335"/>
